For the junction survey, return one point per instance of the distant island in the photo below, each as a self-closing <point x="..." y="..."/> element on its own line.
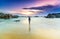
<point x="53" y="15"/>
<point x="7" y="16"/>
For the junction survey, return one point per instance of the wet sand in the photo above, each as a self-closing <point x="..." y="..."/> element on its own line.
<point x="41" y="29"/>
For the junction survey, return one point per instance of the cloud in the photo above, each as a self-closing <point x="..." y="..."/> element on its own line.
<point x="47" y="8"/>
<point x="47" y="2"/>
<point x="30" y="11"/>
<point x="44" y="3"/>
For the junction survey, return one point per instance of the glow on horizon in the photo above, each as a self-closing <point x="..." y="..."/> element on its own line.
<point x="30" y="12"/>
<point x="27" y="12"/>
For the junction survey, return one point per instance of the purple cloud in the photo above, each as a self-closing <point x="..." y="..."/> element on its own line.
<point x="48" y="8"/>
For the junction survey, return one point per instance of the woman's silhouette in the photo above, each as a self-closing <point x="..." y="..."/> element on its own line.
<point x="29" y="20"/>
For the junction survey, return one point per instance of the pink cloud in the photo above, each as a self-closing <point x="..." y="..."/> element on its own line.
<point x="44" y="2"/>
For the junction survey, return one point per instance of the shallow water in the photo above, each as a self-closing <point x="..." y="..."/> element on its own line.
<point x="41" y="28"/>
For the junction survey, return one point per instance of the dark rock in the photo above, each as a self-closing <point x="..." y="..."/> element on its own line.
<point x="16" y="20"/>
<point x="7" y="16"/>
<point x="54" y="15"/>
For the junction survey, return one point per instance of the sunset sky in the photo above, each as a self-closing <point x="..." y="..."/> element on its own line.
<point x="30" y="6"/>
